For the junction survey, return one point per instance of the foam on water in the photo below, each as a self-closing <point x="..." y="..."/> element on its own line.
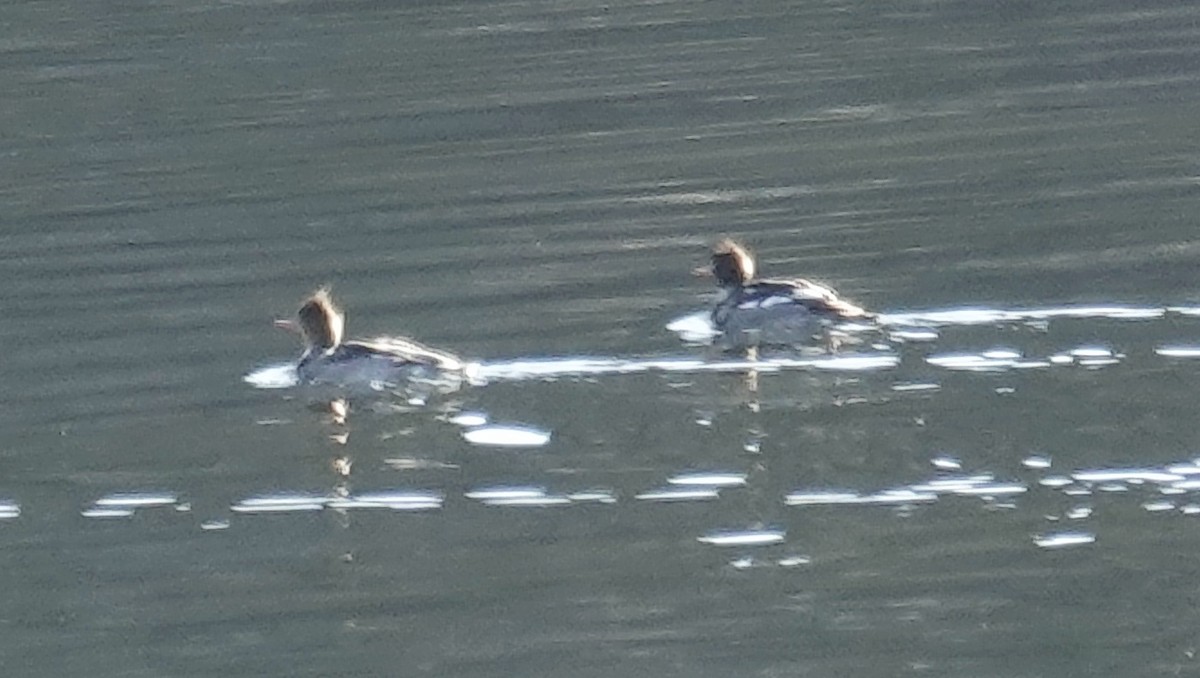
<point x="278" y="375"/>
<point x="695" y="328"/>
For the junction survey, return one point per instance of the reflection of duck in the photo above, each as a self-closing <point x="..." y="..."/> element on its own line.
<point x="389" y="360"/>
<point x="751" y="312"/>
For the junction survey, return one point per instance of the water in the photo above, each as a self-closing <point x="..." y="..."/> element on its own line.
<point x="1006" y="486"/>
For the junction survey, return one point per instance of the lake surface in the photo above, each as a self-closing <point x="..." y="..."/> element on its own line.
<point x="1005" y="485"/>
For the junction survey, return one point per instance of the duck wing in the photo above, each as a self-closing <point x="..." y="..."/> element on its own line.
<point x="404" y="350"/>
<point x="815" y="297"/>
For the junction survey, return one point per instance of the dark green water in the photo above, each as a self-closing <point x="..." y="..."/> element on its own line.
<point x="535" y="180"/>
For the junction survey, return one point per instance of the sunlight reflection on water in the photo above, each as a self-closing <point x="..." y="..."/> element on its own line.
<point x="696" y="327"/>
<point x="279" y="376"/>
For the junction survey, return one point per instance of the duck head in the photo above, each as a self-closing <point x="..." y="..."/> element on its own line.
<point x="732" y="264"/>
<point x="319" y="322"/>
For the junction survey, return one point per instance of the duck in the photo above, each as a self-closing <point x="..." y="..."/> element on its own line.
<point x="378" y="362"/>
<point x="750" y="312"/>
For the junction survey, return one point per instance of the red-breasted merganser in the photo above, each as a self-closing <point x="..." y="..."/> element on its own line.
<point x="751" y="312"/>
<point x="327" y="359"/>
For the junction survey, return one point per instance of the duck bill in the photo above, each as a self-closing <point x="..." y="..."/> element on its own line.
<point x="289" y="325"/>
<point x="702" y="272"/>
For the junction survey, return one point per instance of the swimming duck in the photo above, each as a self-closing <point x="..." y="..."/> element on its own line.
<point x="392" y="361"/>
<point x="751" y="312"/>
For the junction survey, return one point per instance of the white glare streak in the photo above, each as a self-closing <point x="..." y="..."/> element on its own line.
<point x="1118" y="474"/>
<point x="1178" y="351"/>
<point x="493" y="493"/>
<point x="507" y="436"/>
<point x="1055" y="540"/>
<point x="136" y="500"/>
<point x="708" y="479"/>
<point x="679" y="494"/>
<point x="743" y="538"/>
